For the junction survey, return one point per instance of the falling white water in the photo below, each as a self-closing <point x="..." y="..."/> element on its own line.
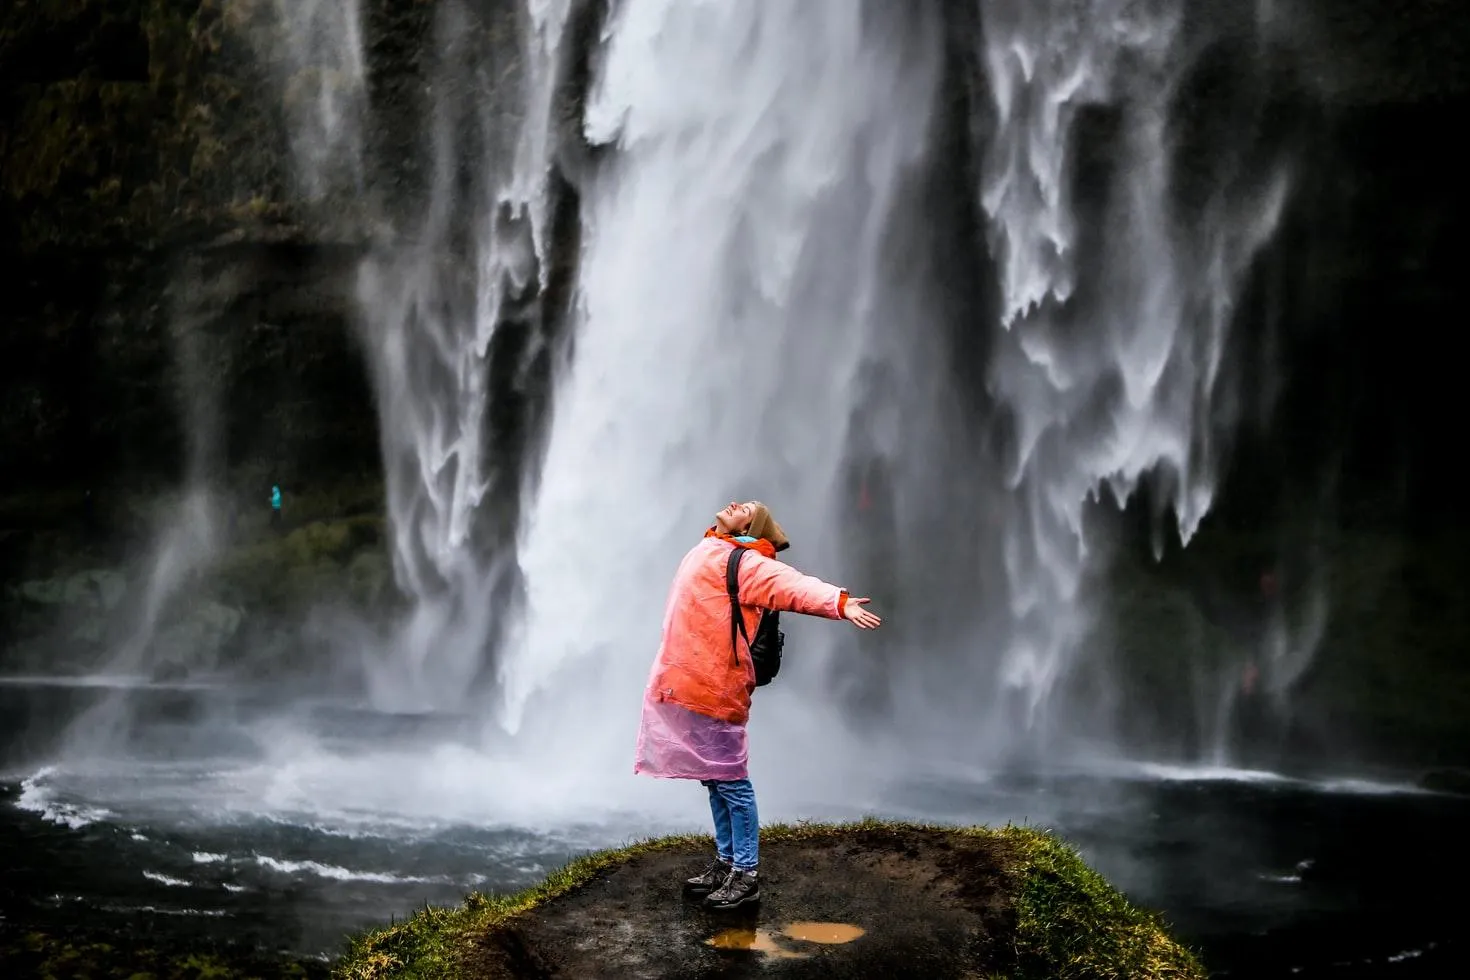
<point x="432" y="290"/>
<point x="742" y="283"/>
<point x="1109" y="391"/>
<point x="728" y="285"/>
<point x="724" y="235"/>
<point x="319" y="43"/>
<point x="186" y="539"/>
<point x="428" y="316"/>
<point x="1041" y="67"/>
<point x="753" y="309"/>
<point x="186" y="544"/>
<point x="542" y="35"/>
<point x="1246" y="697"/>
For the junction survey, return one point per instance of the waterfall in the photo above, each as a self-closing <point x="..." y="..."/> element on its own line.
<point x="188" y="538"/>
<point x="1121" y="384"/>
<point x="317" y="49"/>
<point x="768" y="302"/>
<point x="439" y="279"/>
<point x="750" y="220"/>
<point x="731" y="291"/>
<point x="185" y="537"/>
<point x="430" y="311"/>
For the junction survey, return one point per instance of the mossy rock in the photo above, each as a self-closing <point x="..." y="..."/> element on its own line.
<point x="860" y="900"/>
<point x="96" y="955"/>
<point x="136" y="122"/>
<point x="72" y="132"/>
<point x="323" y="559"/>
<point x="96" y="588"/>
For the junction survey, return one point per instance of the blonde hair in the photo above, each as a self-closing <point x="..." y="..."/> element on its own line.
<point x="763" y="525"/>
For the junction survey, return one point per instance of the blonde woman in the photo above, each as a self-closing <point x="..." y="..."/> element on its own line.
<point x="698" y="697"/>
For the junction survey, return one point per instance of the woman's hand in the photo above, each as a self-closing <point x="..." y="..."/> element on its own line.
<point x="855" y="614"/>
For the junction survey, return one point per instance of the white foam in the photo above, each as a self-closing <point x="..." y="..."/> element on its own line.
<point x="164" y="879"/>
<point x="418" y="792"/>
<point x="155" y="910"/>
<point x="1345" y="786"/>
<point x="336" y="873"/>
<point x="1166" y="772"/>
<point x="397" y="794"/>
<point x="1409" y="954"/>
<point x="204" y="857"/>
<point x="36" y="797"/>
<point x="1369" y="787"/>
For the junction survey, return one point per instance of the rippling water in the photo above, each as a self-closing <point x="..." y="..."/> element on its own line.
<point x="213" y="819"/>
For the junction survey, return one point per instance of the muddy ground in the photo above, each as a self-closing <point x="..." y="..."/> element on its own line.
<point x="926" y="904"/>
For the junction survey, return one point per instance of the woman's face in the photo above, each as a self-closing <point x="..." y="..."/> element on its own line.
<point x="735" y="518"/>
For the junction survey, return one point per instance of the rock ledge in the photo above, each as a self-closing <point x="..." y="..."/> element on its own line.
<point x="857" y="900"/>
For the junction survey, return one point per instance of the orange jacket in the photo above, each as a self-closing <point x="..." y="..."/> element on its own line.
<point x="696" y="667"/>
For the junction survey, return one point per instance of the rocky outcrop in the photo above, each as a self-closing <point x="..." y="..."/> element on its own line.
<point x="860" y="900"/>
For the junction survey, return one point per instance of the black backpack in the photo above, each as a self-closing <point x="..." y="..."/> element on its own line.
<point x="765" y="650"/>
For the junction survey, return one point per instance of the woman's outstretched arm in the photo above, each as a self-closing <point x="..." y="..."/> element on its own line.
<point x="772" y="584"/>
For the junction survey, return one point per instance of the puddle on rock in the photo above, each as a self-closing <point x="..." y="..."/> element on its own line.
<point x="764" y="940"/>
<point x="754" y="940"/>
<point x="824" y="932"/>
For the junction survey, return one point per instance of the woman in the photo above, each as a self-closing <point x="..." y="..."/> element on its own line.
<point x="698" y="695"/>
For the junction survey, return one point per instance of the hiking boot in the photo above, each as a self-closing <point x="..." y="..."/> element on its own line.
<point x="740" y="888"/>
<point x="711" y="878"/>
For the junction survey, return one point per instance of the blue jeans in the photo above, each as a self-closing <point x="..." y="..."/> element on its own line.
<point x="737" y="826"/>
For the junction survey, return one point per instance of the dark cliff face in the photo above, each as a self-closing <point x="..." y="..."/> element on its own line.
<point x="135" y="135"/>
<point x="146" y="209"/>
<point x="158" y="247"/>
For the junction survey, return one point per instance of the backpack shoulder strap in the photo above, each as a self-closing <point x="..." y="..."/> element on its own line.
<point x="732" y="587"/>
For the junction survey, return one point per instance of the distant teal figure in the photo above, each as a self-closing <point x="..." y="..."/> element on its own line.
<point x="275" y="505"/>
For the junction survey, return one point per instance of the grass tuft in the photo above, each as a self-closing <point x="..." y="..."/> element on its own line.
<point x="1070" y="923"/>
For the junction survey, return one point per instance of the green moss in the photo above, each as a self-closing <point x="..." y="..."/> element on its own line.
<point x="70" y="132"/>
<point x="332" y="549"/>
<point x="147" y="160"/>
<point x="166" y="26"/>
<point x="1071" y="924"/>
<point x="320" y="559"/>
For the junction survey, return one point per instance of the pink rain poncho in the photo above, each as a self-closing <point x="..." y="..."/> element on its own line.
<point x="698" y="695"/>
<point x="676" y="743"/>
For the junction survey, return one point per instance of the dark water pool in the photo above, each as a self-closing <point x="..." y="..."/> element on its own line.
<point x="224" y="832"/>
